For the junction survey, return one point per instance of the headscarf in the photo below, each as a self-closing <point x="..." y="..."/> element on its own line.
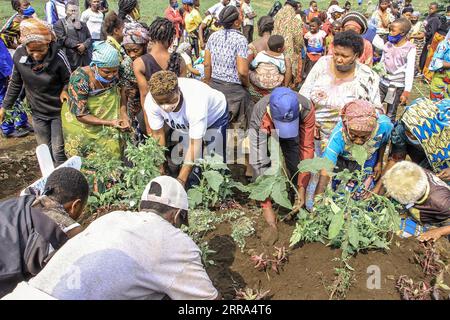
<point x="105" y="55"/>
<point x="359" y="115"/>
<point x="135" y="33"/>
<point x="416" y="14"/>
<point x="358" y="18"/>
<point x="35" y="30"/>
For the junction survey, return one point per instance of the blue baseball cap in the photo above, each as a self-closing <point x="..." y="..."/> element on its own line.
<point x="188" y="2"/>
<point x="285" y="112"/>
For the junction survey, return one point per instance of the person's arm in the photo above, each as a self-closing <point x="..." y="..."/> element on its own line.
<point x="288" y="74"/>
<point x="14" y="89"/>
<point x="243" y="71"/>
<point x="201" y="39"/>
<point x="159" y="135"/>
<point x="207" y="66"/>
<point x="444" y="175"/>
<point x="139" y="71"/>
<point x="409" y="75"/>
<point x="62" y="37"/>
<point x="88" y="42"/>
<point x="123" y="108"/>
<point x="193" y="153"/>
<point x="192" y="70"/>
<point x="49" y="12"/>
<point x="306" y="151"/>
<point x="434" y="234"/>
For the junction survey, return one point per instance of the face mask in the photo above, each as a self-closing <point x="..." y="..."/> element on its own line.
<point x="170" y="107"/>
<point x="175" y="5"/>
<point x="345" y="68"/>
<point x="28" y="12"/>
<point x="395" y="39"/>
<point x="136" y="14"/>
<point x="98" y="77"/>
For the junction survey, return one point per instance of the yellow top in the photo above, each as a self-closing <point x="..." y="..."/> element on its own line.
<point x="192" y="20"/>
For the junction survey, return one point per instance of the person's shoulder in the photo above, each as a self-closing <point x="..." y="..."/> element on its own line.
<point x="385" y="123"/>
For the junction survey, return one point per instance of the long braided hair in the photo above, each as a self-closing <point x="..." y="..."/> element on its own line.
<point x="163" y="31"/>
<point x="126" y="7"/>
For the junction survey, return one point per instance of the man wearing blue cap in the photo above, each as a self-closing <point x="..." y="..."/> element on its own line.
<point x="290" y="117"/>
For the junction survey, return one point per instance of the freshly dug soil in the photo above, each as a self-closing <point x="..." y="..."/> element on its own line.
<point x="310" y="268"/>
<point x="18" y="165"/>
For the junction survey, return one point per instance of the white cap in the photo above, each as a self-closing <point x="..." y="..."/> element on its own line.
<point x="335" y="8"/>
<point x="172" y="193"/>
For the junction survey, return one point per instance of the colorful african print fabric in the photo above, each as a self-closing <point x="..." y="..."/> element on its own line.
<point x="440" y="83"/>
<point x="430" y="123"/>
<point x="10" y="32"/>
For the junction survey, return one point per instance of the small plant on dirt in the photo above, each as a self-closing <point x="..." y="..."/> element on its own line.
<point x="241" y="229"/>
<point x="413" y="291"/>
<point x="216" y="185"/>
<point x="206" y="252"/>
<point x="263" y="263"/>
<point x="429" y="259"/>
<point x="201" y="221"/>
<point x="251" y="294"/>
<point x="341" y="284"/>
<point x="347" y="222"/>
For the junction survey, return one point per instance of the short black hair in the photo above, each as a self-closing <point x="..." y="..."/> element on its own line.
<point x="350" y="39"/>
<point x="126" y="7"/>
<point x="316" y="20"/>
<point x="275" y="43"/>
<point x="434" y="4"/>
<point x="408" y="9"/>
<point x="448" y="9"/>
<point x="15" y="4"/>
<point x="112" y="21"/>
<point x="312" y="2"/>
<point x="66" y="185"/>
<point x="265" y="24"/>
<point x="228" y="16"/>
<point x="404" y="23"/>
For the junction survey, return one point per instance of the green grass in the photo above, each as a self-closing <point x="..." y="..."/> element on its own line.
<point x="153" y="8"/>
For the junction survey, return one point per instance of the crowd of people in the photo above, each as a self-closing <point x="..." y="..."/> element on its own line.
<point x="319" y="81"/>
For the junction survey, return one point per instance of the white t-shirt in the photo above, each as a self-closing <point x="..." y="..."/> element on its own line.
<point x="247" y="9"/>
<point x="126" y="255"/>
<point x="202" y="107"/>
<point x="94" y="21"/>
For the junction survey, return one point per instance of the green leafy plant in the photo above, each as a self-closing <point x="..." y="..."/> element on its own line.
<point x="114" y="183"/>
<point x="216" y="184"/>
<point x="344" y="221"/>
<point x="241" y="229"/>
<point x="206" y="253"/>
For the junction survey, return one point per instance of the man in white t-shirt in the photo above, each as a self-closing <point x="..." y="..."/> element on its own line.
<point x="194" y="111"/>
<point x="93" y="18"/>
<point x="249" y="18"/>
<point x="217" y="8"/>
<point x="128" y="256"/>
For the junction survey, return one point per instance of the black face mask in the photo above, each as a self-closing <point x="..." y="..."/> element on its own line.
<point x="345" y="68"/>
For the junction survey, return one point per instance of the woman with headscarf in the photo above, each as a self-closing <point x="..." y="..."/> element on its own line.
<point x="440" y="66"/>
<point x="135" y="41"/>
<point x="422" y="133"/>
<point x="360" y="125"/>
<point x="437" y="38"/>
<point x="357" y="22"/>
<point x="288" y="26"/>
<point x="226" y="65"/>
<point x="94" y="113"/>
<point x="43" y="70"/>
<point x="382" y="18"/>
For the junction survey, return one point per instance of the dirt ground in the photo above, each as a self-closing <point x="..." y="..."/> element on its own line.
<point x="310" y="268"/>
<point x="18" y="165"/>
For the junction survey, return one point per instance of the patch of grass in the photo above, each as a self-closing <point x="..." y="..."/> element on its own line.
<point x="153" y="8"/>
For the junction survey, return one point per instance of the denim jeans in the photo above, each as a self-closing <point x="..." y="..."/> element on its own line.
<point x="49" y="132"/>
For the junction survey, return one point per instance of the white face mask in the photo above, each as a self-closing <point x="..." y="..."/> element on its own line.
<point x="171" y="107"/>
